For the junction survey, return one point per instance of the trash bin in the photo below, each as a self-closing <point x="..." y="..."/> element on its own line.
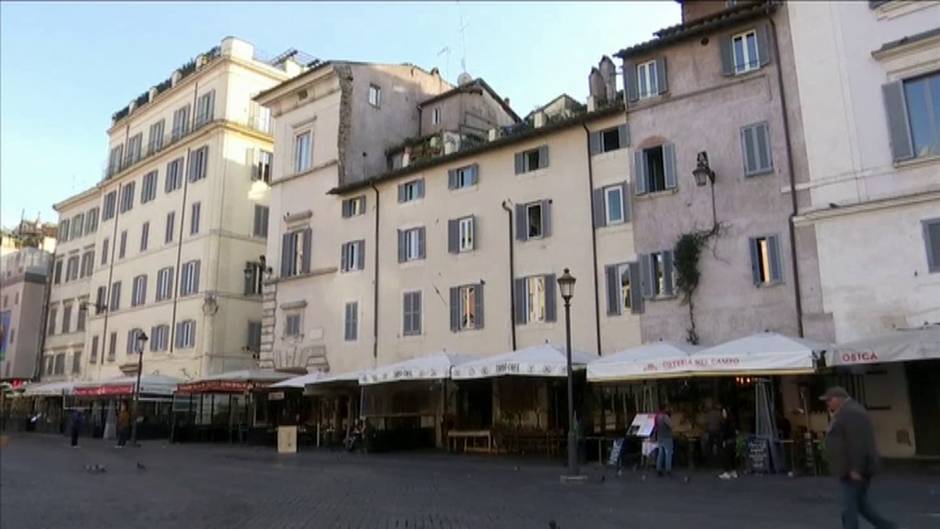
<point x="286" y="439"/>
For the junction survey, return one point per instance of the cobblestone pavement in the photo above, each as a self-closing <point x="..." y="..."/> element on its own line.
<point x="44" y="484"/>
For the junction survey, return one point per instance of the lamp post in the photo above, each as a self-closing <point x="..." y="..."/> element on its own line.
<point x="141" y="341"/>
<point x="566" y="286"/>
<point x="704" y="174"/>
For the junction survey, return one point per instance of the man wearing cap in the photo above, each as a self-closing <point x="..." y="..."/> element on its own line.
<point x="853" y="458"/>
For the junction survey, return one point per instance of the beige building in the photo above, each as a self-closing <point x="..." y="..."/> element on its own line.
<point x="181" y="224"/>
<point x="23" y="278"/>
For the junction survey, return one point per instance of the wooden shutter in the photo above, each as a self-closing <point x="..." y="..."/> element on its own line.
<point x="623" y="131"/>
<point x="661" y="80"/>
<point x="727" y="56"/>
<point x="600" y="209"/>
<point x="639" y="172"/>
<point x="476" y="232"/>
<point x="546" y="218"/>
<point x="773" y="247"/>
<point x="401" y="246"/>
<point x="520" y="163"/>
<point x="343" y="255"/>
<point x="249" y="279"/>
<point x="543" y="156"/>
<point x="668" y="274"/>
<point x="522" y="232"/>
<point x="308" y="247"/>
<point x="474" y="174"/>
<point x="420" y="187"/>
<point x="346" y="208"/>
<point x="595" y="143"/>
<point x="453" y="234"/>
<point x="764" y="51"/>
<point x="550" y="311"/>
<point x="669" y="165"/>
<point x="630" y="81"/>
<point x="452" y="179"/>
<point x="455" y="309"/>
<point x="899" y="127"/>
<point x="748" y="152"/>
<point x="361" y="255"/>
<point x="478" y="293"/>
<point x="755" y="261"/>
<point x="646" y="276"/>
<point x="421" y="241"/>
<point x="625" y="200"/>
<point x="401" y="193"/>
<point x="613" y="287"/>
<point x="406" y="313"/>
<point x="765" y="155"/>
<point x="636" y="289"/>
<point x="519" y="295"/>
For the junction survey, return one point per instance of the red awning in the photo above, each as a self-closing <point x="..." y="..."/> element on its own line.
<point x="104" y="391"/>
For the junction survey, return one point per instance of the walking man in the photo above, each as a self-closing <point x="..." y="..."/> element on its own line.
<point x="75" y="426"/>
<point x="663" y="432"/>
<point x="853" y="458"/>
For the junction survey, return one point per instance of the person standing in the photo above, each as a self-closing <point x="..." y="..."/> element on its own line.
<point x="853" y="457"/>
<point x="664" y="442"/>
<point x="123" y="425"/>
<point x="75" y="425"/>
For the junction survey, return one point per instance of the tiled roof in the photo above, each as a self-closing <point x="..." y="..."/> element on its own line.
<point x="475" y="85"/>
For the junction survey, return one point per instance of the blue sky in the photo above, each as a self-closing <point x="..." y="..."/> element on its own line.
<point x="66" y="67"/>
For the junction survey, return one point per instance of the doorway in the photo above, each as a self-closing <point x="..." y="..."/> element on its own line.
<point x="923" y="383"/>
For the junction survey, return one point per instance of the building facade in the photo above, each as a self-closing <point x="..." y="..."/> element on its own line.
<point x="23" y="278"/>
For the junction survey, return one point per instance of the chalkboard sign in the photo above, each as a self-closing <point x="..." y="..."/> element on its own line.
<point x="614" y="459"/>
<point x="758" y="455"/>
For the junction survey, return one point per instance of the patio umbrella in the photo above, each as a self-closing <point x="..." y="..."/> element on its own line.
<point x="545" y="360"/>
<point x="899" y="345"/>
<point x="765" y="353"/>
<point x="429" y="367"/>
<point x="654" y="360"/>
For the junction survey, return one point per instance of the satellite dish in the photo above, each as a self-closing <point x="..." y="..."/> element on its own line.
<point x="464" y="78"/>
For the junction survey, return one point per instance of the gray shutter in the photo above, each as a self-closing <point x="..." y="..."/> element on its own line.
<point x="308" y="247"/>
<point x="285" y="254"/>
<point x="520" y="163"/>
<point x="902" y="147"/>
<point x="346" y="207"/>
<point x="765" y="156"/>
<point x="624" y="132"/>
<point x="474" y="174"/>
<point x="550" y="311"/>
<point x="401" y="193"/>
<point x="420" y="186"/>
<point x="646" y="276"/>
<point x="476" y="232"/>
<point x="773" y="245"/>
<point x="630" y="81"/>
<point x="452" y="179"/>
<point x="478" y="290"/>
<point x="763" y="44"/>
<point x="747" y="150"/>
<point x="546" y="218"/>
<point x="361" y="256"/>
<point x="543" y="156"/>
<point x="613" y="285"/>
<point x="519" y="285"/>
<point x="401" y="246"/>
<point x="755" y="261"/>
<point x="661" y="80"/>
<point x="249" y="282"/>
<point x="257" y="225"/>
<point x="595" y="142"/>
<point x="521" y="232"/>
<point x="454" y="308"/>
<point x="636" y="290"/>
<point x="669" y="165"/>
<point x="625" y="199"/>
<point x="343" y="254"/>
<point x="639" y="172"/>
<point x="363" y="199"/>
<point x="196" y="266"/>
<point x="727" y="57"/>
<point x="668" y="275"/>
<point x="600" y="217"/>
<point x="406" y="312"/>
<point x="421" y="241"/>
<point x="453" y="233"/>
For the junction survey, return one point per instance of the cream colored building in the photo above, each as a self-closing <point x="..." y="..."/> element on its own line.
<point x="181" y="224"/>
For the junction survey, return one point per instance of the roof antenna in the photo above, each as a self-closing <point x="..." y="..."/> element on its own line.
<point x="463" y="39"/>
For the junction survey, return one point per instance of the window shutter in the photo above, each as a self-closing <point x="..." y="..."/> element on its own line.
<point x="629" y="71"/>
<point x="550" y="312"/>
<point x="625" y="200"/>
<point x="520" y="163"/>
<point x="773" y="244"/>
<point x="543" y="156"/>
<point x="474" y="174"/>
<point x="546" y="218"/>
<point x="454" y="309"/>
<point x="747" y="150"/>
<point x="661" y="80"/>
<point x="595" y="143"/>
<point x="521" y="232"/>
<point x="420" y="185"/>
<point x="421" y="240"/>
<point x="668" y="273"/>
<point x="476" y="232"/>
<point x="765" y="156"/>
<point x="343" y="255"/>
<point x="346" y="207"/>
<point x="478" y="291"/>
<point x="727" y="57"/>
<point x="613" y="285"/>
<point x="401" y="246"/>
<point x="519" y="286"/>
<point x="308" y="247"/>
<point x="624" y="132"/>
<point x="899" y="127"/>
<point x="361" y="255"/>
<point x="755" y="261"/>
<point x="636" y="290"/>
<point x="249" y="281"/>
<point x="195" y="287"/>
<point x="452" y="179"/>
<point x="362" y="199"/>
<point x="401" y="193"/>
<point x="453" y="245"/>
<point x="406" y="313"/>
<point x="646" y="275"/>
<point x="257" y="221"/>
<point x="669" y="164"/>
<point x="763" y="44"/>
<point x="639" y="172"/>
<point x="600" y="209"/>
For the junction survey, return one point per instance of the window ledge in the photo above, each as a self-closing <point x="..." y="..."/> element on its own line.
<point x="917" y="162"/>
<point x="466" y="189"/>
<point x="414" y="263"/>
<point x="533" y="173"/>
<point x="765" y="172"/>
<point x="662" y="297"/>
<point x="895" y="9"/>
<point x="317" y="272"/>
<point x="656" y="194"/>
<point x="770" y="285"/>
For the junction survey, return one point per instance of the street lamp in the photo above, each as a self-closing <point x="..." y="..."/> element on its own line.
<point x="566" y="286"/>
<point x="704" y="174"/>
<point x="141" y="341"/>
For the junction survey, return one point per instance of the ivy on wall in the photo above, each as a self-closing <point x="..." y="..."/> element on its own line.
<point x="686" y="256"/>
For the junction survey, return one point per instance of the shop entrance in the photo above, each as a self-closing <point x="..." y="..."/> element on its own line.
<point x="923" y="382"/>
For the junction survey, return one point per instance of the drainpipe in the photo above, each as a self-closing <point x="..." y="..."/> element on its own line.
<point x="112" y="245"/>
<point x="375" y="278"/>
<point x="597" y="299"/>
<point x="37" y="370"/>
<point x="512" y="274"/>
<point x="794" y="204"/>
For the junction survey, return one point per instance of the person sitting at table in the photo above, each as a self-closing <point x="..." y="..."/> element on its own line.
<point x="663" y="433"/>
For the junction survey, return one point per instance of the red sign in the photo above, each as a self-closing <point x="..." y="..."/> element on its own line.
<point x="216" y="386"/>
<point x="861" y="357"/>
<point x="104" y="391"/>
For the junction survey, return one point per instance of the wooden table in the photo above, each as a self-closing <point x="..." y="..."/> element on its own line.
<point x="469" y="438"/>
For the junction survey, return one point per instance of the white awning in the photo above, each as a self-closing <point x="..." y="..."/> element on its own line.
<point x="544" y="360"/>
<point x="299" y="382"/>
<point x="659" y="359"/>
<point x="766" y="353"/>
<point x="52" y="389"/>
<point x="900" y="345"/>
<point x="429" y="367"/>
<point x="123" y="386"/>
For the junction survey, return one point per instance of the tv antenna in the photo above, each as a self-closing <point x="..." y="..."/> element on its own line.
<point x="463" y="39"/>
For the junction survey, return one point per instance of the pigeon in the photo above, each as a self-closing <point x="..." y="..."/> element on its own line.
<point x="140" y="466"/>
<point x="603" y="478"/>
<point x="553" y="525"/>
<point x="686" y="479"/>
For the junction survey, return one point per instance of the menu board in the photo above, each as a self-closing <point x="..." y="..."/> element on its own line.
<point x="614" y="459"/>
<point x="758" y="455"/>
<point x="642" y="425"/>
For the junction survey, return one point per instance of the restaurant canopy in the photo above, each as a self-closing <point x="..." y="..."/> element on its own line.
<point x="239" y="381"/>
<point x="655" y="360"/>
<point x="298" y="382"/>
<point x="435" y="366"/>
<point x="765" y="353"/>
<point x="327" y="380"/>
<point x="899" y="345"/>
<point x="52" y="389"/>
<point x="545" y="360"/>
<point x="124" y="386"/>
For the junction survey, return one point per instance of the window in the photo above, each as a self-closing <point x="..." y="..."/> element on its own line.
<point x="655" y="169"/>
<point x="133" y="148"/>
<point x="101" y="300"/>
<point x="78" y="224"/>
<point x="259" y="117"/>
<point x="436" y="116"/>
<point x="168" y="232"/>
<point x="260" y="226"/>
<point x="115" y="159"/>
<point x="622" y="288"/>
<point x="148" y="188"/>
<point x="144" y="236"/>
<point x="122" y="246"/>
<point x="460" y="234"/>
<point x="611" y="205"/>
<point x="303" y="147"/>
<point x="744" y="48"/>
<point x="292" y="325"/>
<point x="411" y="244"/>
<point x="466" y="307"/>
<point x="375" y="95"/>
<point x="108" y="208"/>
<point x="50" y="363"/>
<point x="127" y="197"/>
<point x="115" y="296"/>
<point x="253" y="343"/>
<point x="354" y="206"/>
<point x="189" y="280"/>
<point x="112" y="347"/>
<point x="164" y="283"/>
<point x="93" y="352"/>
<point x="755" y="147"/>
<point x="57" y="274"/>
<point x="198" y="160"/>
<point x="610" y="139"/>
<point x="60" y="364"/>
<point x="613" y="201"/>
<point x="91" y="221"/>
<point x="914" y="116"/>
<point x="88" y="264"/>
<point x="71" y="268"/>
<point x="180" y="123"/>
<point x="139" y="290"/>
<point x="765" y="260"/>
<point x="657" y="275"/>
<point x="254" y="280"/>
<point x="174" y="175"/>
<point x="66" y="318"/>
<point x="155" y="139"/>
<point x="412" y="190"/>
<point x="532" y="160"/>
<point x="262" y="170"/>
<point x="159" y="338"/>
<point x="63" y="235"/>
<point x="296" y="248"/>
<point x="533" y="220"/>
<point x="133" y="341"/>
<point x="82" y="316"/>
<point x="186" y="334"/>
<point x="194" y="218"/>
<point x="205" y="106"/>
<point x="353" y="256"/>
<point x="411" y="313"/>
<point x="534" y="299"/>
<point x="351" y="322"/>
<point x="646" y="76"/>
<point x="53" y="315"/>
<point x="462" y="177"/>
<point x="932" y="240"/>
<point x="105" y="246"/>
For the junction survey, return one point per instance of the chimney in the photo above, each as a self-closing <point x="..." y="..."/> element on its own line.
<point x="596" y="83"/>
<point x="539" y="119"/>
<point x="609" y="75"/>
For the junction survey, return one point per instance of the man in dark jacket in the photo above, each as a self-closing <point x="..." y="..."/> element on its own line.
<point x="853" y="457"/>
